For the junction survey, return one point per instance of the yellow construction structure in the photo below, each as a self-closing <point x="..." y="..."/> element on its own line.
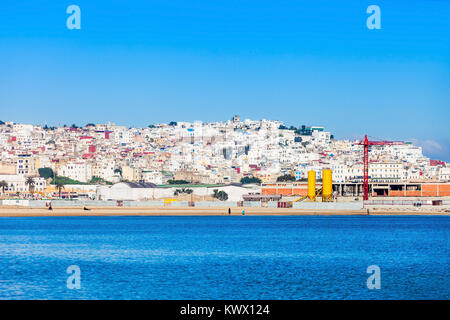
<point x="168" y="201"/>
<point x="312" y="191"/>
<point x="327" y="185"/>
<point x="312" y="185"/>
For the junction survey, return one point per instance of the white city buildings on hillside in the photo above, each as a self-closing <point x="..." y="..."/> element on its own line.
<point x="216" y="152"/>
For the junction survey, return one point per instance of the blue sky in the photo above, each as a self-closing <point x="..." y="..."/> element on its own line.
<point x="302" y="62"/>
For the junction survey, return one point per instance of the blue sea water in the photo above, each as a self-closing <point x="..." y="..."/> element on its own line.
<point x="237" y="257"/>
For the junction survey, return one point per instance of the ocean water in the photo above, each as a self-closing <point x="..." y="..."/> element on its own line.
<point x="239" y="257"/>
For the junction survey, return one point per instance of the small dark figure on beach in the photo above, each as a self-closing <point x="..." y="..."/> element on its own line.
<point x="367" y="211"/>
<point x="50" y="207"/>
<point x="86" y="209"/>
<point x="229" y="210"/>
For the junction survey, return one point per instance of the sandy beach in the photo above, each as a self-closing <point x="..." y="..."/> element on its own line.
<point x="187" y="211"/>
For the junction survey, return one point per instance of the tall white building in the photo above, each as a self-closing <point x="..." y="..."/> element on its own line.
<point x="79" y="171"/>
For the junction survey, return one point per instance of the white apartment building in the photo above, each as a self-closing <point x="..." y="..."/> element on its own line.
<point x="152" y="176"/>
<point x="380" y="172"/>
<point x="104" y="169"/>
<point x="123" y="136"/>
<point x="386" y="171"/>
<point x="321" y="137"/>
<point x="17" y="183"/>
<point x="302" y="171"/>
<point x="79" y="171"/>
<point x="25" y="165"/>
<point x="444" y="174"/>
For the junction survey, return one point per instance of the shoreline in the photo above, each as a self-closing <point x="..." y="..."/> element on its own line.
<point x="192" y="211"/>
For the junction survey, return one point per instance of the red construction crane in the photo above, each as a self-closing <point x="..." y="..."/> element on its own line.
<point x="366" y="145"/>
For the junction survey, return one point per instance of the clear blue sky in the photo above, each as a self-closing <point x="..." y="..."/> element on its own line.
<point x="302" y="62"/>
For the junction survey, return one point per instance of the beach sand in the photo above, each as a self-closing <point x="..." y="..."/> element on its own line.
<point x="11" y="211"/>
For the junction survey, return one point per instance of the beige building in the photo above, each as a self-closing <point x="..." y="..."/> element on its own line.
<point x="131" y="174"/>
<point x="7" y="168"/>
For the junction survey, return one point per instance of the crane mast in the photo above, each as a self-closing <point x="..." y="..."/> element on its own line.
<point x="366" y="143"/>
<point x="366" y="169"/>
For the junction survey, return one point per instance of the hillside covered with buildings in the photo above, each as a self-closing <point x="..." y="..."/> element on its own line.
<point x="217" y="153"/>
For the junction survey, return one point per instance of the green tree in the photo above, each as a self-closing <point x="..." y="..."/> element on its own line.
<point x="30" y="183"/>
<point x="3" y="185"/>
<point x="65" y="180"/>
<point x="181" y="191"/>
<point x="248" y="180"/>
<point x="46" y="173"/>
<point x="286" y="177"/>
<point x="178" y="182"/>
<point x="98" y="180"/>
<point x="59" y="186"/>
<point x="221" y="195"/>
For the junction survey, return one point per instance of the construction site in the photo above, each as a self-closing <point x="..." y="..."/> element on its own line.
<point x="363" y="192"/>
<point x="353" y="190"/>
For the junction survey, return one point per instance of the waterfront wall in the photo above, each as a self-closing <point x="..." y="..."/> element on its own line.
<point x="37" y="203"/>
<point x="256" y="204"/>
<point x="328" y="205"/>
<point x="272" y="204"/>
<point x="408" y="207"/>
<point x="98" y="203"/>
<point x="391" y="204"/>
<point x="215" y="204"/>
<point x="151" y="203"/>
<point x="178" y="204"/>
<point x="23" y="203"/>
